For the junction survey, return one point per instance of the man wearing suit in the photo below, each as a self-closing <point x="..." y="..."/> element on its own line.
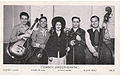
<point x="76" y="55"/>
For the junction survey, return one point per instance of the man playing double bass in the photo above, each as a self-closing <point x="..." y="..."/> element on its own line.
<point x="95" y="41"/>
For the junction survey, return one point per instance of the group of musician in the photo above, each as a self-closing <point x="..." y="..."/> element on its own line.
<point x="61" y="45"/>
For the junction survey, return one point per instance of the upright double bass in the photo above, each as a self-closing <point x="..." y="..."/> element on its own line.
<point x="107" y="16"/>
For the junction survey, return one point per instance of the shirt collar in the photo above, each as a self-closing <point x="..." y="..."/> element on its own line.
<point x="24" y="26"/>
<point x="41" y="29"/>
<point x="75" y="29"/>
<point x="96" y="29"/>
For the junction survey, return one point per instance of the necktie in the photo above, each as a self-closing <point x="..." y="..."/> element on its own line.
<point x="96" y="37"/>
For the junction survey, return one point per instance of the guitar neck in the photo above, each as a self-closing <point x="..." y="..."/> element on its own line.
<point x="32" y="26"/>
<point x="30" y="30"/>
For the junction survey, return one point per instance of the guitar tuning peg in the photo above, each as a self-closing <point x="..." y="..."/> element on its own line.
<point x="36" y="20"/>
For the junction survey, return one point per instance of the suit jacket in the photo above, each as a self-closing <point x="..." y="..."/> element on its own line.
<point x="56" y="44"/>
<point x="79" y="47"/>
<point x="81" y="33"/>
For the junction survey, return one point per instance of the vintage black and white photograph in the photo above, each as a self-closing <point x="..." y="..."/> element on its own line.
<point x="59" y="34"/>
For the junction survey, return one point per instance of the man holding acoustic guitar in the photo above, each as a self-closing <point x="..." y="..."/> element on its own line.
<point x="17" y="52"/>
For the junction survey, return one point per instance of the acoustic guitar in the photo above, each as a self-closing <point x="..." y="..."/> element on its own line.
<point x="18" y="49"/>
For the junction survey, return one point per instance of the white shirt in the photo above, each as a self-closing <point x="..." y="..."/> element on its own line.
<point x="75" y="29"/>
<point x="88" y="42"/>
<point x="43" y="31"/>
<point x="58" y="33"/>
<point x="96" y="29"/>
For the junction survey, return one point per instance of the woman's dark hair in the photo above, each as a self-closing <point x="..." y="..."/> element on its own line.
<point x="58" y="19"/>
<point x="24" y="13"/>
<point x="76" y="18"/>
